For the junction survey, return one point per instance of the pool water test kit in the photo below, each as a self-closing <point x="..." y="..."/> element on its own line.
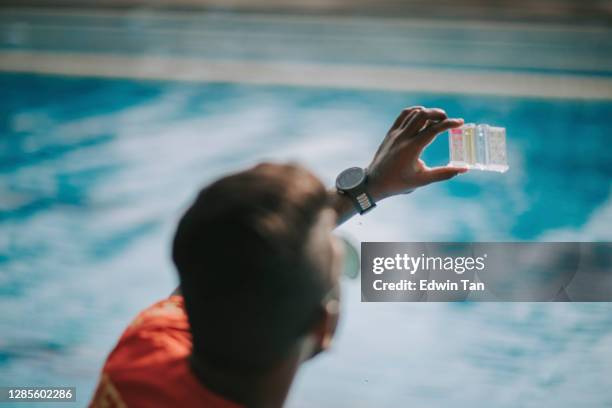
<point x="480" y="147"/>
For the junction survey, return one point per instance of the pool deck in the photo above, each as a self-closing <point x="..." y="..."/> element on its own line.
<point x="402" y="54"/>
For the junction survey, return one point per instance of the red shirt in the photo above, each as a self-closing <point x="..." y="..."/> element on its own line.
<point x="149" y="366"/>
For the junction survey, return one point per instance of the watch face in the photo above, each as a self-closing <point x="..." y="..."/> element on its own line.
<point x="350" y="178"/>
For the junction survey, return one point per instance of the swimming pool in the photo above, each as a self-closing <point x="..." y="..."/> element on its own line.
<point x="95" y="172"/>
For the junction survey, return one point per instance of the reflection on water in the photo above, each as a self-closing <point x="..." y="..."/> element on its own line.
<point x="94" y="173"/>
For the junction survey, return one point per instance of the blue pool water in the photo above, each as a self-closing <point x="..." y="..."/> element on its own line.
<point x="95" y="172"/>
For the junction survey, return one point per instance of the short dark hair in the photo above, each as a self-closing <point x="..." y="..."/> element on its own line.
<point x="250" y="288"/>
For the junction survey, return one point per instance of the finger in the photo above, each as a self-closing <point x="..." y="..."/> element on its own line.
<point x="428" y="134"/>
<point x="409" y="117"/>
<point x="420" y="119"/>
<point x="403" y="114"/>
<point x="442" y="173"/>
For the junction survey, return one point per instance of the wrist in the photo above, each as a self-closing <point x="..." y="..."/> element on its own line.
<point x="342" y="205"/>
<point x="376" y="193"/>
<point x="378" y="189"/>
<point x="374" y="188"/>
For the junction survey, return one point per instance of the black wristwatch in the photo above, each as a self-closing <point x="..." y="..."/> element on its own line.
<point x="353" y="183"/>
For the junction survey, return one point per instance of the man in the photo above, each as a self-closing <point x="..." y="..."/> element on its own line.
<point x="259" y="279"/>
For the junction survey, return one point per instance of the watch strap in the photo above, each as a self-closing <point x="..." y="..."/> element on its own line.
<point x="363" y="202"/>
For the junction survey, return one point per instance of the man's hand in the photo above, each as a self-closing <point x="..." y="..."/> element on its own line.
<point x="396" y="167"/>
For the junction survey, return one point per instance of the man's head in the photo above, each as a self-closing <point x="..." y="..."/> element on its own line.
<point x="259" y="267"/>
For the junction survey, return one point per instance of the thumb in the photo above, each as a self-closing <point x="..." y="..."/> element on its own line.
<point x="442" y="173"/>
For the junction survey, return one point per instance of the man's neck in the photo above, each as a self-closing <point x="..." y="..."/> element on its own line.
<point x="268" y="389"/>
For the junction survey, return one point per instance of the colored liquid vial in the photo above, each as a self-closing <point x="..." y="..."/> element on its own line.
<point x="480" y="147"/>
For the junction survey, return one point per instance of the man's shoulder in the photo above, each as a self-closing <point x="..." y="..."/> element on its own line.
<point x="149" y="366"/>
<point x="158" y="335"/>
<point x="169" y="312"/>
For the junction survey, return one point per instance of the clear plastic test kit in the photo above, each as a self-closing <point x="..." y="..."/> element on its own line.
<point x="480" y="147"/>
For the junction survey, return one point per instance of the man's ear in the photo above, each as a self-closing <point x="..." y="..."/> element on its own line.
<point x="325" y="328"/>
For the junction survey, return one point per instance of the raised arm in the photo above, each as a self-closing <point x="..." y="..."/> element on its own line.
<point x="396" y="167"/>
